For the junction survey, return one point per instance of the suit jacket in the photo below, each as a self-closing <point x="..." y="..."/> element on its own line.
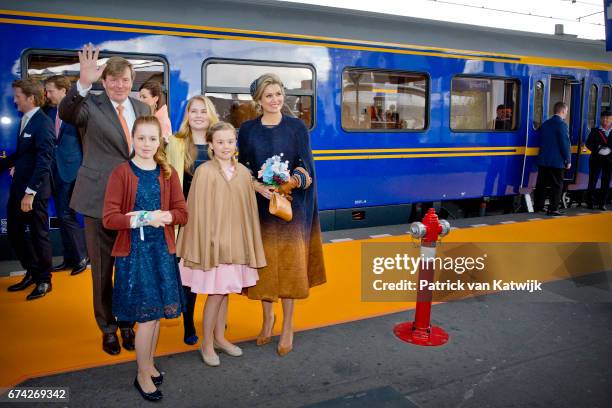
<point x="32" y="158"/>
<point x="597" y="140"/>
<point x="554" y="143"/>
<point x="68" y="153"/>
<point x="104" y="145"/>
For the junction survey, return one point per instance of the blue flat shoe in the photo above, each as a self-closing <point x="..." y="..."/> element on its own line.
<point x="191" y="340"/>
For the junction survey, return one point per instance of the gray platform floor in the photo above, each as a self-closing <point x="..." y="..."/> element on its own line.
<point x="505" y="350"/>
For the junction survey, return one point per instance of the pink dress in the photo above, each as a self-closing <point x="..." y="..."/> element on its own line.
<point x="164" y="121"/>
<point x="222" y="279"/>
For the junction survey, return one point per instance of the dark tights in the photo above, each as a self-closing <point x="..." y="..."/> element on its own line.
<point x="188" y="325"/>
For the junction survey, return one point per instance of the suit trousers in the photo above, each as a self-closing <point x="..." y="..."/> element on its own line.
<point x="549" y="184"/>
<point x="33" y="249"/>
<point x="597" y="166"/>
<point x="73" y="236"/>
<point x="99" y="246"/>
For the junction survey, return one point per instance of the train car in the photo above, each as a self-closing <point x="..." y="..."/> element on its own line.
<point x="401" y="110"/>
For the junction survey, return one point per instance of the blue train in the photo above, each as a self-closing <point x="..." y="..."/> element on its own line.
<point x="401" y="110"/>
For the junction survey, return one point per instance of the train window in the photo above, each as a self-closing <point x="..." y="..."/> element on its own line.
<point x="41" y="64"/>
<point x="538" y="105"/>
<point x="606" y="97"/>
<point x="484" y="104"/>
<point x="227" y="83"/>
<point x="384" y="100"/>
<point x="592" y="106"/>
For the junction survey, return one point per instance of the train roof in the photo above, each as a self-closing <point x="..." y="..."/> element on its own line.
<point x="311" y="20"/>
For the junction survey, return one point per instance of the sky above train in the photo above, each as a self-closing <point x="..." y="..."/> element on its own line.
<point x="584" y="18"/>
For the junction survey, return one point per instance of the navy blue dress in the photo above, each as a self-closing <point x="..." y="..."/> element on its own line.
<point x="201" y="157"/>
<point x="147" y="281"/>
<point x="293" y="249"/>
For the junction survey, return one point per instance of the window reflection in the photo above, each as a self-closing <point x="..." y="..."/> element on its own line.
<point x="538" y="105"/>
<point x="484" y="104"/>
<point x="227" y="84"/>
<point x="374" y="99"/>
<point x="592" y="106"/>
<point x="41" y="65"/>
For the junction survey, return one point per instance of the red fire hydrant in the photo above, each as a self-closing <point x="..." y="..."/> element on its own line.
<point x="420" y="331"/>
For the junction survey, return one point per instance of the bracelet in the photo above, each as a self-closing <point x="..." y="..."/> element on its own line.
<point x="141" y="219"/>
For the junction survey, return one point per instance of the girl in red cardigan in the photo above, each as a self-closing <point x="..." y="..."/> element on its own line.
<point x="143" y="201"/>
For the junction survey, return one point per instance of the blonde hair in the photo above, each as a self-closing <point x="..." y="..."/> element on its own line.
<point x="184" y="131"/>
<point x="261" y="84"/>
<point x="214" y="129"/>
<point x="160" y="155"/>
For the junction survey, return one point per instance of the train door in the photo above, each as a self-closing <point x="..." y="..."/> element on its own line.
<point x="536" y="115"/>
<point x="570" y="91"/>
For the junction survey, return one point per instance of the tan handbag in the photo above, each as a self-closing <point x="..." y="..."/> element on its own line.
<point x="281" y="207"/>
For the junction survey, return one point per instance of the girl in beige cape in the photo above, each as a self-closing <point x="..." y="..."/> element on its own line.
<point x="220" y="245"/>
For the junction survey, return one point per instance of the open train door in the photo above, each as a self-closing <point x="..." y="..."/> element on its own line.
<point x="536" y="115"/>
<point x="545" y="91"/>
<point x="570" y="91"/>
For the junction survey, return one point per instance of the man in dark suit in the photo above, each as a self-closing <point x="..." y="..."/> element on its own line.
<point x="600" y="145"/>
<point x="105" y="122"/>
<point x="554" y="157"/>
<point x="30" y="189"/>
<point x="66" y="162"/>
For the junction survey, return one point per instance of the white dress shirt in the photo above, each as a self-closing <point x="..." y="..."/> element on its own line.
<point x="26" y="118"/>
<point x="128" y="109"/>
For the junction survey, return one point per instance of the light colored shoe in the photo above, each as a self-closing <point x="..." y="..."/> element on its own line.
<point x="233" y="351"/>
<point x="263" y="340"/>
<point x="210" y="361"/>
<point x="283" y="351"/>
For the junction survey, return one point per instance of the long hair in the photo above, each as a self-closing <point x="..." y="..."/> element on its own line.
<point x="160" y="154"/>
<point x="214" y="129"/>
<point x="260" y="85"/>
<point x="184" y="131"/>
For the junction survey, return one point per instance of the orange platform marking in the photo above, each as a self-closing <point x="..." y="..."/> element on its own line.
<point x="58" y="333"/>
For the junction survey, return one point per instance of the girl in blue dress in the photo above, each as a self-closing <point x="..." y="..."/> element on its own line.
<point x="144" y="201"/>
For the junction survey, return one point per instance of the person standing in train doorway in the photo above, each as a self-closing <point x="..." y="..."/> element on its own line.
<point x="30" y="189"/>
<point x="554" y="157"/>
<point x="66" y="162"/>
<point x="105" y="121"/>
<point x="600" y="161"/>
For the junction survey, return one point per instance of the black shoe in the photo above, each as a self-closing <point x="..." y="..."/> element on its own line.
<point x="25" y="282"/>
<point x="110" y="344"/>
<point x="159" y="379"/>
<point x="60" y="267"/>
<point x="128" y="337"/>
<point x="554" y="213"/>
<point x="40" y="290"/>
<point x="79" y="267"/>
<point x="589" y="206"/>
<point x="603" y="207"/>
<point x="152" y="396"/>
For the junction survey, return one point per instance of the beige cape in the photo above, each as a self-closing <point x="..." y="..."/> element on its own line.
<point x="223" y="226"/>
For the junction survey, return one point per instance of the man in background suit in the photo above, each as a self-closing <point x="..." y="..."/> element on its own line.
<point x="599" y="142"/>
<point x="30" y="189"/>
<point x="105" y="122"/>
<point x="554" y="157"/>
<point x="66" y="162"/>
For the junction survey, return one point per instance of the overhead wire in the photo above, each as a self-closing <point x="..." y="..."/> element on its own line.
<point x="482" y="7"/>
